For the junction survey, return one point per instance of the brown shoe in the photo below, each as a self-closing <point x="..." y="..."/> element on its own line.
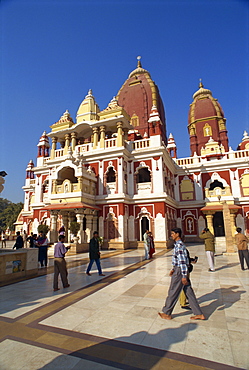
<point x="198" y="317"/>
<point x="165" y="316"/>
<point x="55" y="290"/>
<point x="101" y="275"/>
<point x="88" y="273"/>
<point x="67" y="286"/>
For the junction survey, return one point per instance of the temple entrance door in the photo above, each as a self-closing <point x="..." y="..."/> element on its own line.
<point x="218" y="224"/>
<point x="144" y="226"/>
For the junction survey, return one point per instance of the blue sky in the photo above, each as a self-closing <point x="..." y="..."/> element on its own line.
<point x="53" y="52"/>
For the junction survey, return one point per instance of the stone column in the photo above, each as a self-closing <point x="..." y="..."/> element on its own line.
<point x="53" y="149"/>
<point x="228" y="229"/>
<point x="80" y="217"/>
<point x="74" y="137"/>
<point x="120" y="140"/>
<point x="95" y="137"/>
<point x="53" y="230"/>
<point x="67" y="143"/>
<point x="65" y="223"/>
<point x="209" y="218"/>
<point x="102" y="136"/>
<point x="233" y="223"/>
<point x="89" y="227"/>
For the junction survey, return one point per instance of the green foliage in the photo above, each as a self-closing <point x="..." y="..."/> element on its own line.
<point x="43" y="229"/>
<point x="74" y="227"/>
<point x="8" y="213"/>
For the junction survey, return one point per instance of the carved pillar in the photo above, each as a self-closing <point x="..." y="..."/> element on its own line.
<point x="67" y="143"/>
<point x="65" y="223"/>
<point x="102" y="136"/>
<point x="53" y="230"/>
<point x="53" y="149"/>
<point x="209" y="218"/>
<point x="80" y="217"/>
<point x="80" y="182"/>
<point x="120" y="141"/>
<point x="95" y="137"/>
<point x="74" y="137"/>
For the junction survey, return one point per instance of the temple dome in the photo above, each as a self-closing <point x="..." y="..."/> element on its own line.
<point x="137" y="96"/>
<point x="204" y="105"/>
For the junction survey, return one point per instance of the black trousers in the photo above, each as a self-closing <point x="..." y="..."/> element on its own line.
<point x="243" y="254"/>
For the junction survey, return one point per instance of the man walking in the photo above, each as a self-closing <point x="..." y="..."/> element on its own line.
<point x="19" y="241"/>
<point x="180" y="280"/>
<point x="241" y="241"/>
<point x="60" y="266"/>
<point x="94" y="254"/>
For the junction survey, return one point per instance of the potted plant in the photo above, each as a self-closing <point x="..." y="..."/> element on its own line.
<point x="74" y="228"/>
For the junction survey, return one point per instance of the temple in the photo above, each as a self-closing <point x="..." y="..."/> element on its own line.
<point x="117" y="171"/>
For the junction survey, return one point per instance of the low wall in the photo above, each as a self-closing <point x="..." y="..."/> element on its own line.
<point x="18" y="264"/>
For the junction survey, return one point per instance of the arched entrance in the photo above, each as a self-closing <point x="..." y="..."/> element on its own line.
<point x="218" y="224"/>
<point x="144" y="225"/>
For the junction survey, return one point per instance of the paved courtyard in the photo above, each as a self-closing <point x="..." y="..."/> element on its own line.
<point x="112" y="322"/>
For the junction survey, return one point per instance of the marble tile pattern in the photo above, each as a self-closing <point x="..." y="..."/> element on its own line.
<point x="122" y="310"/>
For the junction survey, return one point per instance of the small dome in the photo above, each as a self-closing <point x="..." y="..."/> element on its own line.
<point x="204" y="105"/>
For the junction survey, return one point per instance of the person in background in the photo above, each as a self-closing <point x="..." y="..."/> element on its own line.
<point x="180" y="280"/>
<point x="60" y="266"/>
<point x="146" y="244"/>
<point x="208" y="238"/>
<point x="42" y="243"/>
<point x="242" y="245"/>
<point x="19" y="241"/>
<point x="30" y="239"/>
<point x="24" y="236"/>
<point x="94" y="254"/>
<point x="151" y="245"/>
<point x="3" y="238"/>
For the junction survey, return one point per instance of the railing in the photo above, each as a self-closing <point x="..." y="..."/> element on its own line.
<point x="84" y="147"/>
<point x="228" y="155"/>
<point x="141" y="144"/>
<point x="110" y="143"/>
<point x="59" y="153"/>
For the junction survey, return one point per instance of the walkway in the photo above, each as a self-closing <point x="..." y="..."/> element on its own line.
<point x="112" y="322"/>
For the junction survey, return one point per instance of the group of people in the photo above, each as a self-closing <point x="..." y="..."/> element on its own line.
<point x="180" y="285"/>
<point x="40" y="241"/>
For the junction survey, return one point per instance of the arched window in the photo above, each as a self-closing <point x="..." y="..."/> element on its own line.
<point x="143" y="175"/>
<point x="111" y="176"/>
<point x="216" y="184"/>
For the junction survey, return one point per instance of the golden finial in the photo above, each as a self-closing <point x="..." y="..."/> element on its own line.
<point x="200" y="83"/>
<point x="139" y="65"/>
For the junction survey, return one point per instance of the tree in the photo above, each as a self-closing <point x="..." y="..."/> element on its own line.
<point x="43" y="229"/>
<point x="74" y="227"/>
<point x="8" y="213"/>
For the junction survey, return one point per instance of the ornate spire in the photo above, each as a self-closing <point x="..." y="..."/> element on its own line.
<point x="139" y="65"/>
<point x="200" y="83"/>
